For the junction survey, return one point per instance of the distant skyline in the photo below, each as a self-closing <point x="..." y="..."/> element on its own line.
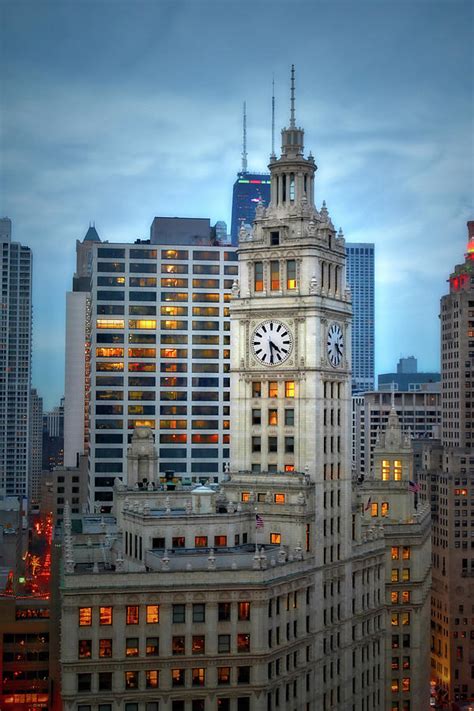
<point x="115" y="112"/>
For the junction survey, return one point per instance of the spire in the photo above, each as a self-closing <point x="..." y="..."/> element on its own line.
<point x="244" y="143"/>
<point x="273" y="115"/>
<point x="292" y="109"/>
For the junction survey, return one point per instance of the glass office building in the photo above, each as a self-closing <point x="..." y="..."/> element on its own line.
<point x="360" y="275"/>
<point x="249" y="188"/>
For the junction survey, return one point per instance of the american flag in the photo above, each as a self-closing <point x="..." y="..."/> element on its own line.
<point x="413" y="486"/>
<point x="258" y="521"/>
<point x="367" y="506"/>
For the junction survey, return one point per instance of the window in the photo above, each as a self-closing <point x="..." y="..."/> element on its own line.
<point x="406" y="684"/>
<point x="199" y="612"/>
<point x="198" y="644"/>
<point x="397" y="470"/>
<point x="394" y="595"/>
<point x="405" y="574"/>
<point x="272" y="389"/>
<point x="179" y="613"/>
<point x="223" y="643"/>
<point x="84" y="682"/>
<point x="291" y="274"/>
<point x="256" y="417"/>
<point x="405" y="597"/>
<point x="199" y="676"/>
<point x="243" y="675"/>
<point x="178" y="542"/>
<point x="279" y="498"/>
<point x="395" y="553"/>
<point x="131" y="679"/>
<point x="152" y="648"/>
<point x="105" y="681"/>
<point x="256" y="444"/>
<point x="105" y="615"/>
<point x="85" y="616"/>
<point x="223" y="611"/>
<point x="220" y="541"/>
<point x="274" y="275"/>
<point x="132" y="615"/>
<point x="131" y="647"/>
<point x="152" y="679"/>
<point x="105" y="648"/>
<point x="258" y="276"/>
<point x="243" y="611"/>
<point x="256" y="389"/>
<point x="200" y="541"/>
<point x="273" y="417"/>
<point x="395" y="686"/>
<point x="406" y="553"/>
<point x="85" y="649"/>
<point x="275" y="538"/>
<point x="385" y="470"/>
<point x="384" y="508"/>
<point x="223" y="675"/>
<point x="289" y="388"/>
<point x="177" y="677"/>
<point x="374" y="509"/>
<point x="395" y="575"/>
<point x="289" y="445"/>
<point x="178" y="645"/>
<point x="152" y="614"/>
<point x="273" y="444"/>
<point x="289" y="417"/>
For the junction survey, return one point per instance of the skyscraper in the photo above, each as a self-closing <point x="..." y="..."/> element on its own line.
<point x="360" y="275"/>
<point x="447" y="481"/>
<point x="36" y="446"/>
<point x="77" y="362"/>
<point x="15" y="362"/>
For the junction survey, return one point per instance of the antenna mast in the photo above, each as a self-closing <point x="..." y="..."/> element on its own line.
<point x="292" y="112"/>
<point x="273" y="115"/>
<point x="244" y="146"/>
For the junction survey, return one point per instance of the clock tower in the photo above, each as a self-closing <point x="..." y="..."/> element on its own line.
<point x="290" y="332"/>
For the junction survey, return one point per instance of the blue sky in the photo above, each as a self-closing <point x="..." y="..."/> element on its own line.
<point x="119" y="111"/>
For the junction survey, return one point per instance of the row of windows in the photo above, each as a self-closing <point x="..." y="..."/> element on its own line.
<point x="273" y="389"/>
<point x="152" y="612"/>
<point x="152" y="678"/>
<point x="117" y="352"/>
<point x="274" y="276"/>
<point x="165" y="382"/>
<point x="223" y="704"/>
<point x="150" y="367"/>
<point x="150" y="309"/>
<point x="134" y="253"/>
<point x="152" y="282"/>
<point x="272" y="417"/>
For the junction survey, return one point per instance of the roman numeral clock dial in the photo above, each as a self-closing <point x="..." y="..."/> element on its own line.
<point x="272" y="342"/>
<point x="335" y="344"/>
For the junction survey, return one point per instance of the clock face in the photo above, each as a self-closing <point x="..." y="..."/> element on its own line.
<point x="272" y="342"/>
<point x="335" y="344"/>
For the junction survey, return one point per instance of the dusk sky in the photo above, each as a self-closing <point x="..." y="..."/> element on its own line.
<point x="115" y="112"/>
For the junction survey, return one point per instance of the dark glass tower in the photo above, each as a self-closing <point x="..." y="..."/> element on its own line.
<point x="249" y="188"/>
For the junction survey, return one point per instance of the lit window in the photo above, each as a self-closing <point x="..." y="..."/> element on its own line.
<point x="395" y="619"/>
<point x="397" y="470"/>
<point x="199" y="677"/>
<point x="132" y="615"/>
<point x="223" y="675"/>
<point x="405" y="574"/>
<point x="244" y="610"/>
<point x="374" y="509"/>
<point x="406" y="553"/>
<point x="109" y="323"/>
<point x="152" y="647"/>
<point x="395" y="686"/>
<point x="198" y="644"/>
<point x="131" y="647"/>
<point x="105" y="615"/>
<point x="291" y="274"/>
<point x="280" y="498"/>
<point x="395" y="575"/>
<point x="273" y="417"/>
<point x="177" y="677"/>
<point x="289" y="388"/>
<point x="289" y="467"/>
<point x="406" y="683"/>
<point x="258" y="276"/>
<point x="109" y="352"/>
<point x="385" y="470"/>
<point x="131" y="680"/>
<point x="152" y="614"/>
<point x="85" y="648"/>
<point x="152" y="678"/>
<point x="405" y="596"/>
<point x="275" y="538"/>
<point x="220" y="541"/>
<point x="142" y="323"/>
<point x="200" y="541"/>
<point x="105" y="648"/>
<point x="384" y="508"/>
<point x="85" y="616"/>
<point x="243" y="643"/>
<point x="394" y="597"/>
<point x="405" y="618"/>
<point x="395" y="553"/>
<point x="274" y="275"/>
<point x="141" y="352"/>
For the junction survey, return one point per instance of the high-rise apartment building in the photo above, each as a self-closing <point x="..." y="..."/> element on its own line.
<point x="447" y="480"/>
<point x="77" y="360"/>
<point x="15" y="362"/>
<point x="361" y="279"/>
<point x="160" y="352"/>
